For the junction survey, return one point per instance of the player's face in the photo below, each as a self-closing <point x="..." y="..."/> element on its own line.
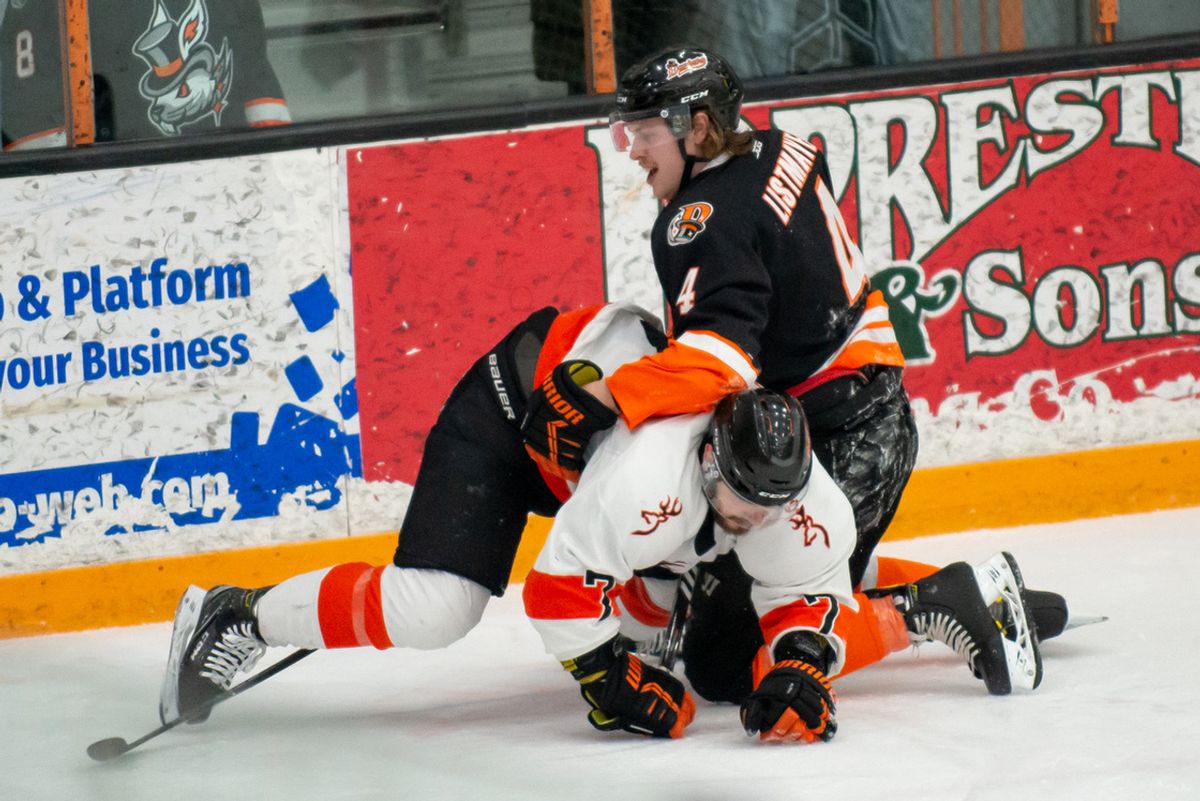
<point x="656" y="150"/>
<point x="734" y="513"/>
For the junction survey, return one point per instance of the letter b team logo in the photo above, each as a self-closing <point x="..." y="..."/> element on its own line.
<point x="688" y="223"/>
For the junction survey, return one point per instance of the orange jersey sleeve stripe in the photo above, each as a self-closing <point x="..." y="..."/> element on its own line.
<point x="641" y="607"/>
<point x="266" y="111"/>
<point x="350" y="607"/>
<point x="724" y="349"/>
<point x="560" y="339"/>
<point x="816" y="612"/>
<point x="682" y="379"/>
<point x="873" y="341"/>
<point x="860" y="354"/>
<point x="549" y="597"/>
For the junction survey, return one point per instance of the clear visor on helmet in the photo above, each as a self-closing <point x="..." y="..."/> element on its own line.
<point x="733" y="511"/>
<point x="649" y="128"/>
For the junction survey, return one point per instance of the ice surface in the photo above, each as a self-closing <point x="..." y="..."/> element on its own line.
<point x="494" y="718"/>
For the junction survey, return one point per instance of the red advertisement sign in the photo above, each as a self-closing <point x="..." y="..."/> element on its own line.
<point x="1038" y="226"/>
<point x="452" y="243"/>
<point x="1035" y="237"/>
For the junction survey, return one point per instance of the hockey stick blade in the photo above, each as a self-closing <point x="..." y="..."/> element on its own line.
<point x="112" y="747"/>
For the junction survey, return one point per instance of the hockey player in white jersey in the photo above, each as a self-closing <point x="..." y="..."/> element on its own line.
<point x="690" y="488"/>
<point x="680" y="490"/>
<point x="468" y="509"/>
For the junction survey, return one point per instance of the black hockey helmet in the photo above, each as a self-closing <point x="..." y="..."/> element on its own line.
<point x="674" y="83"/>
<point x="760" y="446"/>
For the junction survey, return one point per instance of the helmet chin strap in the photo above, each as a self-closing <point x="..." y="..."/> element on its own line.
<point x="689" y="161"/>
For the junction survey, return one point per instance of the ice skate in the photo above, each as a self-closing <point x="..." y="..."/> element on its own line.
<point x="980" y="613"/>
<point x="1048" y="613"/>
<point x="215" y="636"/>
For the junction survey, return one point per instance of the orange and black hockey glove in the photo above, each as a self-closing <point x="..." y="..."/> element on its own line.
<point x="561" y="417"/>
<point x="628" y="694"/>
<point x="793" y="702"/>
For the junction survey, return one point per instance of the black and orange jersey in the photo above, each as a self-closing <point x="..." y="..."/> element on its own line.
<point x="763" y="282"/>
<point x="161" y="68"/>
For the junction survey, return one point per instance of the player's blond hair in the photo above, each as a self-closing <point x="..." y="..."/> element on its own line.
<point x="719" y="139"/>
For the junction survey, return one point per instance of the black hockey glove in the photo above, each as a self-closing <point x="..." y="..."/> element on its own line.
<point x="794" y="701"/>
<point x="631" y="695"/>
<point x="561" y="417"/>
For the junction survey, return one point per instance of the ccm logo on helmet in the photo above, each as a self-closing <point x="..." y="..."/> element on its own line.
<point x="688" y="223"/>
<point x="677" y="69"/>
<point x="693" y="98"/>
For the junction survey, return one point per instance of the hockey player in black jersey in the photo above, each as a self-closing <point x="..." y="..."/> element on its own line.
<point x="764" y="284"/>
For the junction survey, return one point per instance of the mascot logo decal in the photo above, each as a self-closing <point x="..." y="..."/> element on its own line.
<point x="188" y="80"/>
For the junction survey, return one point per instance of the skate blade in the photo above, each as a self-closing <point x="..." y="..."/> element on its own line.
<point x="1079" y="621"/>
<point x="187" y="614"/>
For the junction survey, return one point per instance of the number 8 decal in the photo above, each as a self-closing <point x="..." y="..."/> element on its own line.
<point x="25" y="66"/>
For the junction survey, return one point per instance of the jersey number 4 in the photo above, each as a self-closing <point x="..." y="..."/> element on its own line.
<point x="849" y="257"/>
<point x="687" y="295"/>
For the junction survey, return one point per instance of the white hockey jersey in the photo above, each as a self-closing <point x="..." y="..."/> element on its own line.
<point x="639" y="504"/>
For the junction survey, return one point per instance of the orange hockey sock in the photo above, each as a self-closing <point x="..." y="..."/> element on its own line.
<point x="901" y="571"/>
<point x="874" y="631"/>
<point x="350" y="607"/>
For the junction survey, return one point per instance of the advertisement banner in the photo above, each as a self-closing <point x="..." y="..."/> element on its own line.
<point x="1035" y="238"/>
<point x="176" y="363"/>
<point x="210" y="355"/>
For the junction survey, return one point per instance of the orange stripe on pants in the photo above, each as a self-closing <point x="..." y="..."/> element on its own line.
<point x="350" y="607"/>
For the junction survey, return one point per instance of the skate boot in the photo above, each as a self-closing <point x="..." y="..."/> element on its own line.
<point x="980" y="613"/>
<point x="215" y="636"/>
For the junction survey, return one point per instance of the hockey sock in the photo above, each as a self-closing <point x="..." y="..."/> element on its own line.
<point x="874" y="631"/>
<point x="334" y="607"/>
<point x="358" y="604"/>
<point x="900" y="571"/>
<point x="350" y="607"/>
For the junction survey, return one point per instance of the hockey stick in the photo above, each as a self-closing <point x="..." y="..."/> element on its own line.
<point x="103" y="750"/>
<point x="679" y="614"/>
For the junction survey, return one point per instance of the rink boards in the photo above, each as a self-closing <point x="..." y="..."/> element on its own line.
<point x="224" y="371"/>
